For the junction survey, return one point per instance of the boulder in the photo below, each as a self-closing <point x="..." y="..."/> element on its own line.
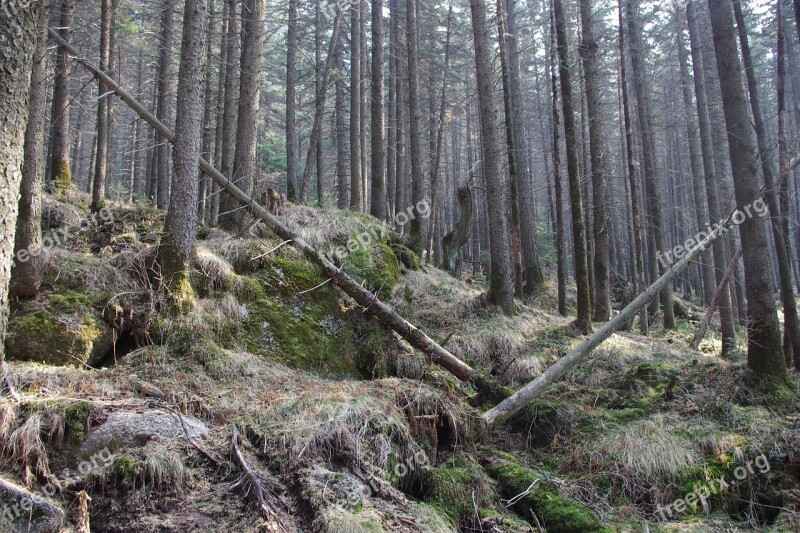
<point x="23" y="511"/>
<point x="129" y="430"/>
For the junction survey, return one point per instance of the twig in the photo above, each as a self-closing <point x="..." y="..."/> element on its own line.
<point x="315" y="287"/>
<point x="521" y="495"/>
<point x="266" y="512"/>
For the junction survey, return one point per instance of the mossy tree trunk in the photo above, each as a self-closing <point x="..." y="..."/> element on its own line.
<point x="18" y="37"/>
<point x="177" y="246"/>
<point x="26" y="270"/>
<point x="454" y="240"/>
<point x="60" y="175"/>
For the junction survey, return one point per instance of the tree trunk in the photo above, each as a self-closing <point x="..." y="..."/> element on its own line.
<point x="165" y="104"/>
<point x="245" y="165"/>
<point x="341" y="133"/>
<point x="291" y="101"/>
<point x="501" y="288"/>
<point x="710" y="173"/>
<point x="561" y="260"/>
<point x="638" y="240"/>
<point x="318" y="89"/>
<point x="18" y="38"/>
<point x="177" y="246"/>
<point x="696" y="163"/>
<point x="458" y="237"/>
<point x="101" y="163"/>
<point x="651" y="179"/>
<point x="355" y="109"/>
<point x="415" y="147"/>
<point x="377" y="150"/>
<point x="60" y="175"/>
<point x="583" y="321"/>
<point x="779" y="234"/>
<point x="602" y="281"/>
<point x="203" y="192"/>
<point x="764" y="353"/>
<point x="222" y="98"/>
<point x="228" y="204"/>
<point x="26" y="268"/>
<point x="392" y="126"/>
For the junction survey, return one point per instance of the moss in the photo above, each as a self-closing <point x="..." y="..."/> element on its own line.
<point x="42" y="336"/>
<point x="62" y="176"/>
<point x="406" y="256"/>
<point x="456" y="486"/>
<point x="125" y="467"/>
<point x="561" y="514"/>
<point x="176" y="276"/>
<point x="376" y="265"/>
<point x="77" y="416"/>
<point x="372" y="355"/>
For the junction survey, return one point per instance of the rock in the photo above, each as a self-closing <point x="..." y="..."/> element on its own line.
<point x="56" y="214"/>
<point x="23" y="511"/>
<point x="127" y="430"/>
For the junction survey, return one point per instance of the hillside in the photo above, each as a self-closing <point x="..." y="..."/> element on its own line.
<point x="276" y="404"/>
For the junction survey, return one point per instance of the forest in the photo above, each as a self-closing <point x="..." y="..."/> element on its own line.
<point x="350" y="266"/>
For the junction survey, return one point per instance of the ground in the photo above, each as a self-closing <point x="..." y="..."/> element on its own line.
<point x="346" y="429"/>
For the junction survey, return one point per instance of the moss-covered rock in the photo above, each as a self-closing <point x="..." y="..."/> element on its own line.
<point x="43" y="336"/>
<point x="456" y="486"/>
<point x="557" y="513"/>
<point x="375" y="264"/>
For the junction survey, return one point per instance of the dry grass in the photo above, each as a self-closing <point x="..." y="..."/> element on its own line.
<point x="26" y="449"/>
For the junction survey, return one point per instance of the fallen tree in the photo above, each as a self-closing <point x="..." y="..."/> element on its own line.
<point x="385" y="314"/>
<point x="712" y="306"/>
<point x="517" y="401"/>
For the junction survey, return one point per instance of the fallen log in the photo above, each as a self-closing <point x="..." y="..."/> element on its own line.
<point x="712" y="306"/>
<point x="362" y="296"/>
<point x="517" y="401"/>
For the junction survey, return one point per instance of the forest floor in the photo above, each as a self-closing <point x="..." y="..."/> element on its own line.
<point x="277" y="404"/>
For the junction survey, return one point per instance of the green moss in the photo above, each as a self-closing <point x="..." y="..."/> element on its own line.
<point x="62" y="176"/>
<point x="372" y="355"/>
<point x="42" y="336"/>
<point x="406" y="256"/>
<point x="561" y="514"/>
<point x="175" y="275"/>
<point x="452" y="486"/>
<point x="376" y="265"/>
<point x="77" y="415"/>
<point x="126" y="468"/>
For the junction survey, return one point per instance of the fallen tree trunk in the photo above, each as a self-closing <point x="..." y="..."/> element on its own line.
<point x="712" y="306"/>
<point x="514" y="403"/>
<point x="362" y="296"/>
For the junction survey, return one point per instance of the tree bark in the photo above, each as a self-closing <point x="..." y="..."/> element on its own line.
<point x="26" y="274"/>
<point x="60" y="174"/>
<point x="583" y="322"/>
<point x="602" y="281"/>
<point x="458" y="237"/>
<point x="227" y="204"/>
<point x="341" y="133"/>
<point x="711" y="178"/>
<point x="101" y="163"/>
<point x="501" y="287"/>
<point x="764" y="353"/>
<point x="165" y="104"/>
<point x="177" y="246"/>
<point x="378" y="207"/>
<point x="415" y="127"/>
<point x="291" y="101"/>
<point x="355" y="109"/>
<point x="651" y="179"/>
<point x="561" y="260"/>
<point x="18" y="38"/>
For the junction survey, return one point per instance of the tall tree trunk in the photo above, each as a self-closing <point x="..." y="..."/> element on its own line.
<point x="415" y="133"/>
<point x="222" y="98"/>
<point x="501" y="288"/>
<point x="228" y="204"/>
<point x="638" y="240"/>
<point x="561" y="260"/>
<point x="695" y="161"/>
<point x="165" y="103"/>
<point x="727" y="326"/>
<point x="378" y="207"/>
<point x="26" y="268"/>
<point x="790" y="319"/>
<point x="177" y="246"/>
<point x="245" y="165"/>
<point x="318" y="88"/>
<point x="651" y="179"/>
<point x="392" y="126"/>
<point x="583" y="321"/>
<point x="341" y="133"/>
<point x="203" y="192"/>
<point x="60" y="175"/>
<point x="602" y="281"/>
<point x="101" y="164"/>
<point x="18" y="38"/>
<point x="764" y="353"/>
<point x="111" y="123"/>
<point x="291" y="101"/>
<point x="355" y="109"/>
